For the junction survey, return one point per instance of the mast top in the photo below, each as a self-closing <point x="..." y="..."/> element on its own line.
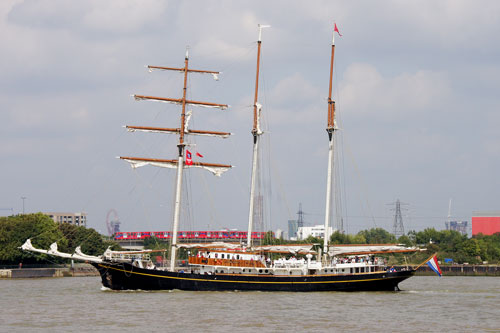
<point x="262" y="26"/>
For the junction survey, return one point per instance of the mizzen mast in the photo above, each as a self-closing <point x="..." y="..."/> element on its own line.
<point x="256" y="133"/>
<point x="180" y="163"/>
<point x="331" y="127"/>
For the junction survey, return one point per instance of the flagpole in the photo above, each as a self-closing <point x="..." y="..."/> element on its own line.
<point x="435" y="254"/>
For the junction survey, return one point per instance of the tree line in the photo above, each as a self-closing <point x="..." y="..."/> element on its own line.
<point x="448" y="244"/>
<point x="43" y="231"/>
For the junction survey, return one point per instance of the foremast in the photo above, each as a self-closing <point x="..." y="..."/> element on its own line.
<point x="256" y="133"/>
<point x="330" y="129"/>
<point x="180" y="163"/>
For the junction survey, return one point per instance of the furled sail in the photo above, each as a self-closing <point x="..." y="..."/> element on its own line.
<point x="179" y="101"/>
<point x="27" y="246"/>
<point x="78" y="255"/>
<point x="223" y="135"/>
<point x="215" y="74"/>
<point x="55" y="252"/>
<point x="294" y="249"/>
<point x="336" y="250"/>
<point x="212" y="245"/>
<point x="216" y="169"/>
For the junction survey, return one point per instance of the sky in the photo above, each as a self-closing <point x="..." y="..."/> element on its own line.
<point x="415" y="83"/>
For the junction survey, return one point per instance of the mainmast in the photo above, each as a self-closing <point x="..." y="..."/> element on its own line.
<point x="180" y="163"/>
<point x="331" y="127"/>
<point x="256" y="133"/>
<point x="180" y="169"/>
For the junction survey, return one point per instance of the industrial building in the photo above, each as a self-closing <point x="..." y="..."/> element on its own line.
<point x="315" y="231"/>
<point x="462" y="227"/>
<point x="79" y="219"/>
<point x="485" y="222"/>
<point x="292" y="229"/>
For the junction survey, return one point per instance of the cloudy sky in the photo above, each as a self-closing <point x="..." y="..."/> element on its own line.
<point x="416" y="85"/>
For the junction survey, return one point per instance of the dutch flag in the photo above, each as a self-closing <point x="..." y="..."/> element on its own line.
<point x="433" y="264"/>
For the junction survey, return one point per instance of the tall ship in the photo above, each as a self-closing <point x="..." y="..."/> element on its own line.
<point x="219" y="266"/>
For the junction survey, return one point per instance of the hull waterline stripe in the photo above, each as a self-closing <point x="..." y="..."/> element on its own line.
<point x="247" y="282"/>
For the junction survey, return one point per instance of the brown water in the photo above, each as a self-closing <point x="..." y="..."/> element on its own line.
<point x="431" y="304"/>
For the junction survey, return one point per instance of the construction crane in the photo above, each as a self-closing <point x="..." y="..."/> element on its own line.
<point x="11" y="209"/>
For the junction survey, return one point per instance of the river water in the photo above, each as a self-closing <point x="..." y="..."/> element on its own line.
<point x="431" y="304"/>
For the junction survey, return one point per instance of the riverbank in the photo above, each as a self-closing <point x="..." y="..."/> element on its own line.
<point x="460" y="270"/>
<point x="25" y="273"/>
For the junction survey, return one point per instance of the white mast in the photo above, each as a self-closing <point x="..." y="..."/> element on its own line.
<point x="256" y="132"/>
<point x="180" y="168"/>
<point x="330" y="129"/>
<point x="177" y="210"/>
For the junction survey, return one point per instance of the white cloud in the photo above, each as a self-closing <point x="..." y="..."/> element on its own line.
<point x="214" y="47"/>
<point x="123" y="16"/>
<point x="104" y="16"/>
<point x="49" y="113"/>
<point x="291" y="100"/>
<point x="365" y="90"/>
<point x="294" y="89"/>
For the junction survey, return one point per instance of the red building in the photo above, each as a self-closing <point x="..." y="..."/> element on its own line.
<point x="486" y="223"/>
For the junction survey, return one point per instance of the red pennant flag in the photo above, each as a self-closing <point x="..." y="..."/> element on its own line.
<point x="337" y="30"/>
<point x="189" y="160"/>
<point x="198" y="154"/>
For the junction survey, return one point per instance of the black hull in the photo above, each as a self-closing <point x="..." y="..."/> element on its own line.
<point x="124" y="276"/>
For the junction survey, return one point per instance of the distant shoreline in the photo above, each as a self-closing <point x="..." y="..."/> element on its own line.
<point x="25" y="273"/>
<point x="460" y="270"/>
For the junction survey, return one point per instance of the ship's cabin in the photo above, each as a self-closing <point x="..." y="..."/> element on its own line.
<point x="240" y="262"/>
